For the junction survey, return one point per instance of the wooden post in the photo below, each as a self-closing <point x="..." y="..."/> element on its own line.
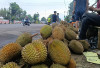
<point x="99" y="38"/>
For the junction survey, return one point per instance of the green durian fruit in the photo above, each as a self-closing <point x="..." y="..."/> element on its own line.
<point x="11" y="65"/>
<point x="34" y="52"/>
<point x="25" y="38"/>
<point x="46" y="31"/>
<point x="76" y="47"/>
<point x="57" y="66"/>
<point x="40" y="66"/>
<point x="59" y="52"/>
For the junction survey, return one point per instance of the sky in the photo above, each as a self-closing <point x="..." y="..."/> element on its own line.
<point x="43" y="7"/>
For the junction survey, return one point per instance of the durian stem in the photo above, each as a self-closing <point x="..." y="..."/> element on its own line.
<point x="22" y="65"/>
<point x="34" y="35"/>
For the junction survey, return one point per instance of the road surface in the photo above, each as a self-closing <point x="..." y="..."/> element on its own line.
<point x="9" y="32"/>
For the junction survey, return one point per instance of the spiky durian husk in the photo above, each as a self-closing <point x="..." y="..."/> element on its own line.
<point x="74" y="29"/>
<point x="85" y="44"/>
<point x="24" y="39"/>
<point x="66" y="42"/>
<point x="46" y="31"/>
<point x="9" y="51"/>
<point x="64" y="22"/>
<point x="76" y="47"/>
<point x="54" y="25"/>
<point x="40" y="66"/>
<point x="62" y="26"/>
<point x="50" y="39"/>
<point x="59" y="52"/>
<point x="72" y="64"/>
<point x="70" y="35"/>
<point x="58" y="33"/>
<point x="11" y="65"/>
<point x="57" y="66"/>
<point x="34" y="52"/>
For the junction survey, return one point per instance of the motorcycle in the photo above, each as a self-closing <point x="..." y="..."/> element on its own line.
<point x="26" y="23"/>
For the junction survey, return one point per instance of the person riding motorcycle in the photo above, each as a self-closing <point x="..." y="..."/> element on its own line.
<point x="26" y="21"/>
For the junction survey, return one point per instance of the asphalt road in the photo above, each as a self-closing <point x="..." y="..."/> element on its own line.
<point x="10" y="32"/>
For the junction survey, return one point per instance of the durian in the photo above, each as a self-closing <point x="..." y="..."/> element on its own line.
<point x="62" y="26"/>
<point x="49" y="40"/>
<point x="85" y="44"/>
<point x="72" y="64"/>
<point x="54" y="25"/>
<point x="59" y="52"/>
<point x="25" y="38"/>
<point x="70" y="35"/>
<point x="9" y="51"/>
<point x="58" y="33"/>
<point x="11" y="65"/>
<point x="40" y="66"/>
<point x="66" y="42"/>
<point x="74" y="29"/>
<point x="76" y="47"/>
<point x="57" y="66"/>
<point x="46" y="31"/>
<point x="34" y="52"/>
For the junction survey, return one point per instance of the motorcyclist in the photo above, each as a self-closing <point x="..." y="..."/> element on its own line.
<point x="26" y="21"/>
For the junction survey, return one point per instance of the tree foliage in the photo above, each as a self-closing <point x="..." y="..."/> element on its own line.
<point x="14" y="13"/>
<point x="71" y="8"/>
<point x="36" y="17"/>
<point x="43" y="19"/>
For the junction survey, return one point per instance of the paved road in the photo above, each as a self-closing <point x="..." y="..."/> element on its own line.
<point x="9" y="32"/>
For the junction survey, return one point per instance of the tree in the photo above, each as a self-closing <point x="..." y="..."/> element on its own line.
<point x="15" y="11"/>
<point x="3" y="12"/>
<point x="67" y="18"/>
<point x="30" y="18"/>
<point x="36" y="17"/>
<point x="71" y="8"/>
<point x="43" y="19"/>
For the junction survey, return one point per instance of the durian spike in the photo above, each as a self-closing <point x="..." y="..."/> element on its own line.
<point x="34" y="34"/>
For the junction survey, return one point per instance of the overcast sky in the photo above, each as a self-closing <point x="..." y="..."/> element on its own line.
<point x="43" y="7"/>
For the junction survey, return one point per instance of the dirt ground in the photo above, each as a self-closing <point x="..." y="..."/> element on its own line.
<point x="82" y="63"/>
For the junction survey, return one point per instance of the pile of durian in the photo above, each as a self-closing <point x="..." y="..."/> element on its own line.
<point x="52" y="50"/>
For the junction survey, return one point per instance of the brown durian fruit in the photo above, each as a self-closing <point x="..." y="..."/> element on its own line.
<point x="58" y="33"/>
<point x="50" y="39"/>
<point x="85" y="44"/>
<point x="72" y="64"/>
<point x="76" y="47"/>
<point x="9" y="51"/>
<point x="70" y="35"/>
<point x="66" y="42"/>
<point x="25" y="38"/>
<point x="54" y="25"/>
<point x="74" y="29"/>
<point x="62" y="26"/>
